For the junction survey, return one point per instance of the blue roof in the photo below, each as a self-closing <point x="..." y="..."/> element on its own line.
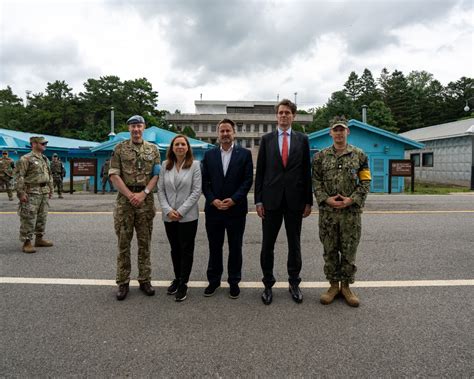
<point x="158" y="136"/>
<point x="21" y="140"/>
<point x="409" y="143"/>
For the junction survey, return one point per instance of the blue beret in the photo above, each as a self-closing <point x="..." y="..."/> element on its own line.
<point x="136" y="120"/>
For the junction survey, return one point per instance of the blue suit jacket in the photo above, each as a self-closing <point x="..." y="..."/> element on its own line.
<point x="236" y="184"/>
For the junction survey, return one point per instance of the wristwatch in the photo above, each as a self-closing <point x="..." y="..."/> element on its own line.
<point x="146" y="190"/>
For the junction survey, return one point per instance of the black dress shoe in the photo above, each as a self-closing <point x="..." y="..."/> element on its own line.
<point x="234" y="291"/>
<point x="296" y="293"/>
<point x="267" y="296"/>
<point x="147" y="289"/>
<point x="122" y="291"/>
<point x="211" y="289"/>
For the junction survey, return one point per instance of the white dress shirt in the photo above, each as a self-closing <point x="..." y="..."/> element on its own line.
<point x="226" y="155"/>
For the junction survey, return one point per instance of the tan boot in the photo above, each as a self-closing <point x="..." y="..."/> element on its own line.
<point x="328" y="297"/>
<point x="40" y="242"/>
<point x="350" y="296"/>
<point x="28" y="247"/>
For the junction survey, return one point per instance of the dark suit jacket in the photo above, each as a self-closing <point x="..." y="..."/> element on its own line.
<point x="236" y="184"/>
<point x="273" y="181"/>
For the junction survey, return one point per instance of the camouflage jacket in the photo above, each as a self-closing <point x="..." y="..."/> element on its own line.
<point x="6" y="167"/>
<point x="134" y="163"/>
<point x="33" y="174"/>
<point x="347" y="174"/>
<point x="57" y="169"/>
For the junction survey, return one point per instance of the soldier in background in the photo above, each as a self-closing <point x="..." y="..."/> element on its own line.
<point x="104" y="175"/>
<point x="34" y="186"/>
<point x="6" y="174"/>
<point x="134" y="170"/>
<point x="341" y="182"/>
<point x="59" y="172"/>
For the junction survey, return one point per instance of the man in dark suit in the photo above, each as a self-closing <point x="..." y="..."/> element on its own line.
<point x="283" y="192"/>
<point x="227" y="175"/>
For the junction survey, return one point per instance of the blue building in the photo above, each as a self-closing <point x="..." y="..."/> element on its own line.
<point x="18" y="144"/>
<point x="379" y="145"/>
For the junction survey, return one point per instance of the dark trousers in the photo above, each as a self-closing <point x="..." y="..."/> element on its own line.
<point x="216" y="229"/>
<point x="271" y="225"/>
<point x="181" y="236"/>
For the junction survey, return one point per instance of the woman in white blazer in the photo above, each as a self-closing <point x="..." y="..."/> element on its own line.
<point x="179" y="189"/>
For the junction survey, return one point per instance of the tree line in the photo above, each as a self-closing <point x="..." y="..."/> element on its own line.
<point x="395" y="102"/>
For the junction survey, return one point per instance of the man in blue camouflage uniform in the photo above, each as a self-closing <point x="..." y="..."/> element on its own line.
<point x="341" y="182"/>
<point x="134" y="170"/>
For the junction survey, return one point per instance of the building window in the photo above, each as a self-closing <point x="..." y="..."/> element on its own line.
<point x="204" y="128"/>
<point x="415" y="158"/>
<point x="256" y="142"/>
<point x="265" y="128"/>
<point x="239" y="127"/>
<point x="427" y="159"/>
<point x="197" y="128"/>
<point x="213" y="128"/>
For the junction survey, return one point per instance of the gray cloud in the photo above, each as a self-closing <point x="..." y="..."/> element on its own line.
<point x="43" y="62"/>
<point x="214" y="38"/>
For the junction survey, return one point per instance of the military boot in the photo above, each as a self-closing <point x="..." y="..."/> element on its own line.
<point x="122" y="291"/>
<point x="350" y="296"/>
<point x="329" y="296"/>
<point x="40" y="242"/>
<point x="28" y="247"/>
<point x="60" y="196"/>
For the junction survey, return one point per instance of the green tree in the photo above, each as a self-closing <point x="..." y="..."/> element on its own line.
<point x="401" y="100"/>
<point x="379" y="115"/>
<point x="352" y="87"/>
<point x="368" y="90"/>
<point x="12" y="111"/>
<point x="188" y="131"/>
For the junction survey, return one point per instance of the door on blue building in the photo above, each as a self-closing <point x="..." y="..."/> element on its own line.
<point x="379" y="170"/>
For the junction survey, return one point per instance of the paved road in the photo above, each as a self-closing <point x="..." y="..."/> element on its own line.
<point x="81" y="330"/>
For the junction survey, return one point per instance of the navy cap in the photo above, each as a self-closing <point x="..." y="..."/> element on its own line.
<point x="137" y="119"/>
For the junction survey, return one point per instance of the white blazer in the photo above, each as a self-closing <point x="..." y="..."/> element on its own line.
<point x="180" y="190"/>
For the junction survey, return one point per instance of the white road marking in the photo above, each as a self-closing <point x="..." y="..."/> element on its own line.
<point x="203" y="284"/>
<point x="85" y="213"/>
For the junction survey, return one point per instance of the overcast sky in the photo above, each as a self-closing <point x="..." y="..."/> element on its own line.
<point x="231" y="50"/>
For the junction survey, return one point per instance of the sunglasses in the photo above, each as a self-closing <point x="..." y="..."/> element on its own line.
<point x="44" y="143"/>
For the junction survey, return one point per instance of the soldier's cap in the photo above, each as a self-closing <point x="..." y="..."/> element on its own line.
<point x="4" y="152"/>
<point x="137" y="119"/>
<point x="38" y="139"/>
<point x="339" y="123"/>
<point x="55" y="155"/>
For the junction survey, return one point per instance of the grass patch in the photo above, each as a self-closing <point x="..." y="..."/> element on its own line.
<point x="434" y="188"/>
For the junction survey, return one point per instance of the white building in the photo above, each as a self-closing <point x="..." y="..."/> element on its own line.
<point x="252" y="119"/>
<point x="448" y="155"/>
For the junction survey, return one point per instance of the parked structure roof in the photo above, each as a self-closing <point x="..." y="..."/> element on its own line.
<point x="442" y="131"/>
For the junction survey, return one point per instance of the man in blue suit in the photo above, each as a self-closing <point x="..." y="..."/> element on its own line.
<point x="227" y="175"/>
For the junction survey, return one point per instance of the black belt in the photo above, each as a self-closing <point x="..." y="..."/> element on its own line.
<point x="43" y="184"/>
<point x="136" y="188"/>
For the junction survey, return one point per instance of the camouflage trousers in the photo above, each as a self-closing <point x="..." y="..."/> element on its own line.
<point x="339" y="232"/>
<point x="58" y="183"/>
<point x="33" y="216"/>
<point x="128" y="218"/>
<point x="8" y="184"/>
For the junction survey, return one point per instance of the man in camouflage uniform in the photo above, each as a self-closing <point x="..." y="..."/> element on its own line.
<point x="58" y="171"/>
<point x="6" y="173"/>
<point x="134" y="170"/>
<point x="105" y="176"/>
<point x="34" y="186"/>
<point x="341" y="181"/>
